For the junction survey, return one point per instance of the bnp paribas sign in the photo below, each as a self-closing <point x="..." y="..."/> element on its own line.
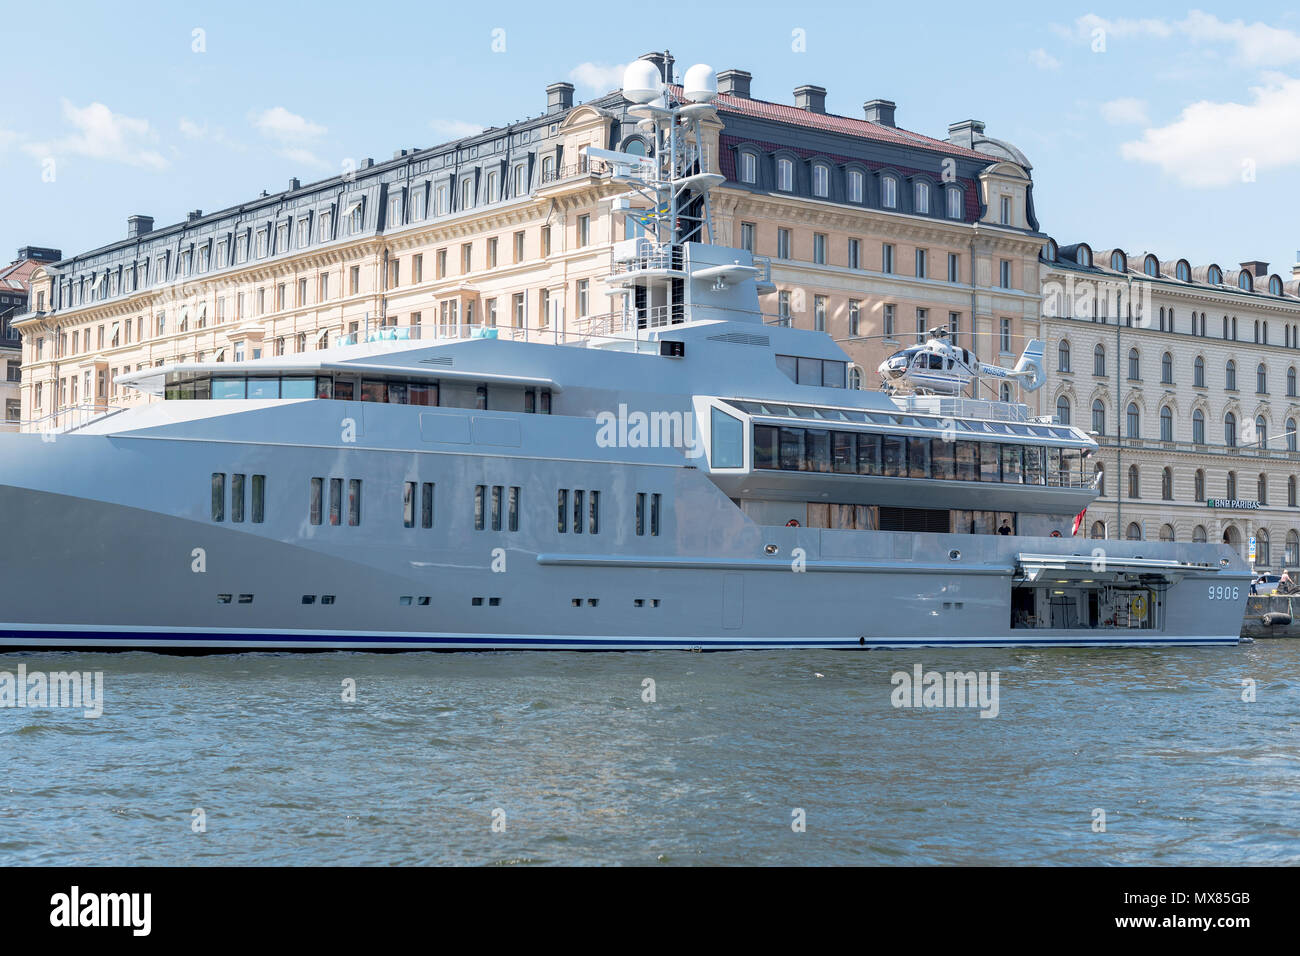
<point x="1234" y="504"/>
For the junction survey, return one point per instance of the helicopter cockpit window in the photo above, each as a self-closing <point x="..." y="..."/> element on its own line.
<point x="936" y="361"/>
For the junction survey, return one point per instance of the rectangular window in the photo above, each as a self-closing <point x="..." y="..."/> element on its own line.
<point x="354" y="280"/>
<point x="747" y="236"/>
<point x="317" y="494"/>
<point x="578" y="503"/>
<point x="640" y="507"/>
<point x="1004" y="273"/>
<point x="921" y="263"/>
<point x="492" y="253"/>
<point x="783" y="243"/>
<point x="426" y="505"/>
<point x="654" y="513"/>
<point x="1005" y="210"/>
<point x="562" y="510"/>
<point x="855" y="254"/>
<point x="496" y="507"/>
<point x="237" y="498"/>
<point x="819" y="248"/>
<point x="887" y="258"/>
<point x="593" y="525"/>
<point x="584" y="230"/>
<point x="1005" y="335"/>
<point x="954" y="267"/>
<point x="512" y="520"/>
<point x="336" y="500"/>
<point x="218" y="496"/>
<point x="408" y="505"/>
<point x="855" y="317"/>
<point x="480" y="507"/>
<point x="394" y="272"/>
<point x="819" y="313"/>
<point x="922" y="319"/>
<point x="519" y="247"/>
<point x="259" y="499"/>
<point x="354" y="501"/>
<point x="888" y="321"/>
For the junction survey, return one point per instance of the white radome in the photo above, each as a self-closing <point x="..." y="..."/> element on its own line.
<point x="700" y="84"/>
<point x="641" y="82"/>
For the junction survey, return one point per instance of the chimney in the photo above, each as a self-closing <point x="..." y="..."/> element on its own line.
<point x="964" y="133"/>
<point x="662" y="60"/>
<point x="193" y="214"/>
<point x="294" y="184"/>
<point x="1295" y="269"/>
<point x="40" y="254"/>
<point x="879" y="111"/>
<point x="810" y="98"/>
<point x="734" y="83"/>
<point x="138" y="226"/>
<point x="1257" y="268"/>
<point x="559" y="97"/>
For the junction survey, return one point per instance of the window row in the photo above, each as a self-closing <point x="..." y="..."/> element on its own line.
<point x="424" y="491"/>
<point x="586" y="510"/>
<point x="488" y="502"/>
<point x="654" y="513"/>
<point x="256" y="497"/>
<point x="1230" y="486"/>
<point x="898" y="456"/>
<point x="316" y="508"/>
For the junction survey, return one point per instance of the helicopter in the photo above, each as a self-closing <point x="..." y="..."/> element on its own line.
<point x="937" y="367"/>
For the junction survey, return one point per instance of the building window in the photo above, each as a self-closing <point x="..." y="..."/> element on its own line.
<point x="747" y="236"/>
<point x="785" y="175"/>
<point x="954" y="197"/>
<point x="1261" y="432"/>
<point x="1134" y="482"/>
<point x="584" y="230"/>
<point x="1167" y="484"/>
<point x="855" y="317"/>
<point x="888" y="321"/>
<point x="1230" y="376"/>
<point x="855" y="254"/>
<point x="1166" y="424"/>
<point x="819" y="248"/>
<point x="1290" y="435"/>
<point x="819" y="313"/>
<point x="1133" y="421"/>
<point x="1099" y="360"/>
<point x="921" y="263"/>
<point x="921" y="198"/>
<point x="1261" y="493"/>
<point x="1198" y="485"/>
<point x="821" y="180"/>
<point x="1231" y="485"/>
<point x="748" y="168"/>
<point x="1063" y="356"/>
<point x="584" y="295"/>
<point x="1005" y="211"/>
<point x="1098" y="416"/>
<point x="954" y="267"/>
<point x="1063" y="410"/>
<point x="1134" y="365"/>
<point x="887" y="258"/>
<point x="889" y="192"/>
<point x="1261" y="379"/>
<point x="1004" y="336"/>
<point x="783" y="243"/>
<point x="1230" y="431"/>
<point x="1004" y="273"/>
<point x="855" y="185"/>
<point x="1291" y="503"/>
<point x="922" y="321"/>
<point x="1198" y="427"/>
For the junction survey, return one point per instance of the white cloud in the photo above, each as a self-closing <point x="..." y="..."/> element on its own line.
<point x="1044" y="60"/>
<point x="454" y="129"/>
<point x="99" y="133"/>
<point x="1257" y="44"/>
<point x="1211" y="144"/>
<point x="202" y="133"/>
<point x="7" y="138"/>
<point x="598" y="77"/>
<point x="1127" y="110"/>
<point x="278" y="123"/>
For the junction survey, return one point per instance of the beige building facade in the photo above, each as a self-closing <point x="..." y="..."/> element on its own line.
<point x="1187" y="376"/>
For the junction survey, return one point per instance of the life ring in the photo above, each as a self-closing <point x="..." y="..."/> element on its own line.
<point x="792" y="523"/>
<point x="1138" y="606"/>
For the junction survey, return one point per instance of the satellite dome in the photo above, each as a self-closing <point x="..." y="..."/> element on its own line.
<point x="641" y="81"/>
<point x="700" y="84"/>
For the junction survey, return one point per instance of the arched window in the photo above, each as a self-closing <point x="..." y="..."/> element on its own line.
<point x="1290" y="491"/>
<point x="1274" y="285"/>
<point x="855" y="377"/>
<point x="1230" y="430"/>
<point x="956" y="200"/>
<point x="1134" y="482"/>
<point x="1198" y="372"/>
<point x="821" y="180"/>
<point x="1151" y="267"/>
<point x="1198" y="427"/>
<point x="1063" y="356"/>
<point x="1261" y="379"/>
<point x="1244" y="281"/>
<point x="1133" y="422"/>
<point x="1215" y="275"/>
<point x="1098" y="416"/>
<point x="1166" y="532"/>
<point x="1099" y="477"/>
<point x="1099" y="360"/>
<point x="1167" y="484"/>
<point x="1262" y="557"/>
<point x="1198" y="534"/>
<point x="785" y="174"/>
<point x="1261" y="431"/>
<point x="1004" y="392"/>
<point x="1230" y="375"/>
<point x="1063" y="410"/>
<point x="1134" y="531"/>
<point x="1098" y="531"/>
<point x="1290" y="382"/>
<point x="1084" y="257"/>
<point x="921" y="197"/>
<point x="1199" y="485"/>
<point x="1183" y="271"/>
<point x="1261" y="488"/>
<point x="1290" y="434"/>
<point x="889" y="192"/>
<point x="1231" y="485"/>
<point x="855" y="185"/>
<point x="1166" y="424"/>
<point x="467" y="188"/>
<point x="748" y="162"/>
<point x="1134" y="365"/>
<point x="1292" y="548"/>
<point x="636" y="147"/>
<point x="1167" y="369"/>
<point x="1117" y="261"/>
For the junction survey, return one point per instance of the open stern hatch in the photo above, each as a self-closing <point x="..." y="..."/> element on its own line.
<point x="1094" y="591"/>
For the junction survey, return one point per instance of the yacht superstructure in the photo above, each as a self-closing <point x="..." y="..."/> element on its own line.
<point x="677" y="473"/>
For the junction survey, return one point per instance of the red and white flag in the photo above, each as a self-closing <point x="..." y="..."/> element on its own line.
<point x="1078" y="522"/>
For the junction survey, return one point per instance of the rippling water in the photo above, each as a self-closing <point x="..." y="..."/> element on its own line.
<point x="587" y="772"/>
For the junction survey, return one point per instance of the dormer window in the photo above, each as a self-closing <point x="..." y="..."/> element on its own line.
<point x="855" y="185"/>
<point x="467" y="185"/>
<point x="1275" y="286"/>
<point x="1049" y="250"/>
<point x="1151" y="267"/>
<point x="1117" y="261"/>
<point x="821" y="180"/>
<point x="785" y="175"/>
<point x="1084" y="257"/>
<point x="955" y="197"/>
<point x="1215" y="275"/>
<point x="748" y="168"/>
<point x="1005" y="211"/>
<point x="1183" y="271"/>
<point x="921" y="198"/>
<point x="1244" y="281"/>
<point x="889" y="192"/>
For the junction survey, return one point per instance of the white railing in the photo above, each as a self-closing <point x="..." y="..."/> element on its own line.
<point x="952" y="407"/>
<point x="69" y="419"/>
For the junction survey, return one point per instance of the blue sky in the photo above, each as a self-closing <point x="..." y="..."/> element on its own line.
<point x="1176" y="129"/>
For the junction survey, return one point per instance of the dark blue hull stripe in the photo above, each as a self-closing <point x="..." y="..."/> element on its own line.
<point x="152" y="640"/>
